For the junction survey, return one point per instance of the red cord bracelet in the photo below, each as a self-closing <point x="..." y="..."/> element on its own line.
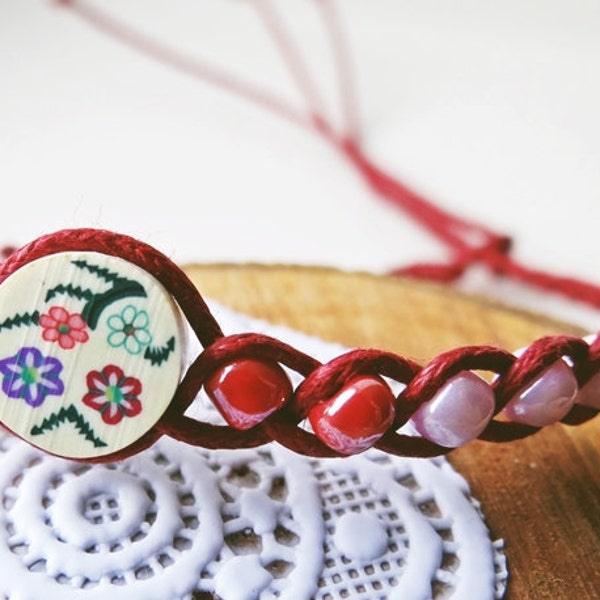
<point x="92" y="338"/>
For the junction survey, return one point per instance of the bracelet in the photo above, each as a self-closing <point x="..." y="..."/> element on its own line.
<point x="93" y="340"/>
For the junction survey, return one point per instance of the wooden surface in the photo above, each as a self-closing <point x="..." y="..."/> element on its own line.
<point x="542" y="494"/>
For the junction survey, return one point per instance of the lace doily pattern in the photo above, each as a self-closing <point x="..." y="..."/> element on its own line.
<point x="179" y="523"/>
<point x="129" y="530"/>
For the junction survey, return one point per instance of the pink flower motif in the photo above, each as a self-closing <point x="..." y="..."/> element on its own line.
<point x="113" y="394"/>
<point x="63" y="327"/>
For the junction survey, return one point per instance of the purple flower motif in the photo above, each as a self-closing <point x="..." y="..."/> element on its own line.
<point x="31" y="376"/>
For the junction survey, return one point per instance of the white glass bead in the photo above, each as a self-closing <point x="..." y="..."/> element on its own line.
<point x="458" y="412"/>
<point x="546" y="400"/>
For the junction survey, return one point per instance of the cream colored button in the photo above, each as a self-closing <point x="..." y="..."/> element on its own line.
<point x="90" y="353"/>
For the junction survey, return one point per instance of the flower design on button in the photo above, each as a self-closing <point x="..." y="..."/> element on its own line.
<point x="63" y="327"/>
<point x="113" y="394"/>
<point x="129" y="329"/>
<point x="31" y="376"/>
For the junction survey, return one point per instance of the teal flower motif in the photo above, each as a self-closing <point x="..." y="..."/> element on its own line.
<point x="129" y="329"/>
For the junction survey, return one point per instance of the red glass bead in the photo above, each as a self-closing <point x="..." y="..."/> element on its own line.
<point x="247" y="391"/>
<point x="356" y="417"/>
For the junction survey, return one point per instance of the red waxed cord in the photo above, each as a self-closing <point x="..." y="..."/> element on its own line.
<point x="492" y="251"/>
<point x="538" y="356"/>
<point x="448" y="228"/>
<point x="469" y="243"/>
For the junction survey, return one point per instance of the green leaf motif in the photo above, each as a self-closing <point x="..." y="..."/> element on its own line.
<point x="69" y="414"/>
<point x="121" y="288"/>
<point x="95" y="303"/>
<point x="157" y="356"/>
<point x="78" y="292"/>
<point x="100" y="272"/>
<point x="21" y="319"/>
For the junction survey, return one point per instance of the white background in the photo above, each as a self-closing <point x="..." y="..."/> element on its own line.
<point x="490" y="109"/>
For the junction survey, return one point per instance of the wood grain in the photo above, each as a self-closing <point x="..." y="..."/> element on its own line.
<point x="540" y="495"/>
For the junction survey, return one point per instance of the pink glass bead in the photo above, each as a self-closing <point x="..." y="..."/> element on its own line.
<point x="589" y="394"/>
<point x="458" y="412"/>
<point x="545" y="401"/>
<point x="356" y="417"/>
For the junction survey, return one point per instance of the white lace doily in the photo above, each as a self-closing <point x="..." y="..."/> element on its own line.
<point x="176" y="522"/>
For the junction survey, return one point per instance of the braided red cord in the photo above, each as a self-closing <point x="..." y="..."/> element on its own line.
<point x="321" y="381"/>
